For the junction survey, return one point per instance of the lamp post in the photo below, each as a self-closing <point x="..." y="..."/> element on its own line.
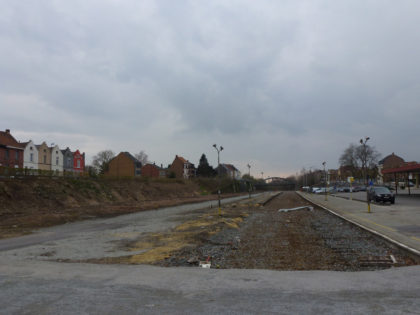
<point x="364" y="169"/>
<point x="325" y="181"/>
<point x="249" y="174"/>
<point x="220" y="149"/>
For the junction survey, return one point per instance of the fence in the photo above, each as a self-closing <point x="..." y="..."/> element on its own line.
<point x="11" y="172"/>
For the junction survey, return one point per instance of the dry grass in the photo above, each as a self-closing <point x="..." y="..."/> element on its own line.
<point x="155" y="247"/>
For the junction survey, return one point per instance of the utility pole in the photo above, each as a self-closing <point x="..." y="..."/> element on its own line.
<point x="220" y="149"/>
<point x="364" y="169"/>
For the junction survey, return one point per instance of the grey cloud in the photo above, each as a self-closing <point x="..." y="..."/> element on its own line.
<point x="312" y="73"/>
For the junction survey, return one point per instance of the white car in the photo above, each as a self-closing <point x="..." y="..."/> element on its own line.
<point x="321" y="190"/>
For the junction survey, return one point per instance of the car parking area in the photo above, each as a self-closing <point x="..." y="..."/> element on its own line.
<point x="401" y="200"/>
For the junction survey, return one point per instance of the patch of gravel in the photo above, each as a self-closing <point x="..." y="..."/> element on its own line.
<point x="295" y="240"/>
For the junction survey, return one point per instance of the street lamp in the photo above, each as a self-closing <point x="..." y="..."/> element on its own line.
<point x="364" y="169"/>
<point x="220" y="149"/>
<point x="249" y="174"/>
<point x="325" y="181"/>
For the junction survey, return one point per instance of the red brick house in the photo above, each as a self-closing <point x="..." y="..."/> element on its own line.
<point x="388" y="162"/>
<point x="11" y="151"/>
<point x="152" y="170"/>
<point x="124" y="165"/>
<point x="182" y="168"/>
<point x="78" y="161"/>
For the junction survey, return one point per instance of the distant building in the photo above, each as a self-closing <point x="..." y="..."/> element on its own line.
<point x="390" y="161"/>
<point x="30" y="155"/>
<point x="152" y="170"/>
<point x="57" y="160"/>
<point x="228" y="170"/>
<point x="333" y="175"/>
<point x="44" y="157"/>
<point x="182" y="168"/>
<point x="68" y="161"/>
<point x="11" y="151"/>
<point x="78" y="162"/>
<point x="124" y="165"/>
<point x="344" y="172"/>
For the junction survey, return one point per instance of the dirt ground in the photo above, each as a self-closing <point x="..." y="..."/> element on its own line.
<point x="255" y="236"/>
<point x="29" y="204"/>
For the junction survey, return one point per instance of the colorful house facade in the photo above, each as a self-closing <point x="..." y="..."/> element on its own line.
<point x="11" y="151"/>
<point x="30" y="155"/>
<point x="67" y="160"/>
<point x="44" y="157"/>
<point x="56" y="159"/>
<point x="78" y="161"/>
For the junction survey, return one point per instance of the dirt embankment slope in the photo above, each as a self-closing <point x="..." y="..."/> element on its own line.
<point x="26" y="204"/>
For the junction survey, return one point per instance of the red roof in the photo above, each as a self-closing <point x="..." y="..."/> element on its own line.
<point x="181" y="159"/>
<point x="409" y="167"/>
<point x="8" y="140"/>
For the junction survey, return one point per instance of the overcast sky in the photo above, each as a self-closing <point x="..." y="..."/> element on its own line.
<point x="280" y="84"/>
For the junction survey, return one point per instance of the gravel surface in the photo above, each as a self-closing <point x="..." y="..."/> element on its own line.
<point x="294" y="240"/>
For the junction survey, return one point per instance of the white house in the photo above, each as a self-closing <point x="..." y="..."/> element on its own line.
<point x="30" y="155"/>
<point x="57" y="159"/>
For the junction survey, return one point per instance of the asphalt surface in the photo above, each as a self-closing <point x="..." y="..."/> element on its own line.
<point x="31" y="284"/>
<point x="34" y="287"/>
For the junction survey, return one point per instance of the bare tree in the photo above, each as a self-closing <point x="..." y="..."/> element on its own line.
<point x="101" y="160"/>
<point x="348" y="158"/>
<point x="356" y="157"/>
<point x="142" y="157"/>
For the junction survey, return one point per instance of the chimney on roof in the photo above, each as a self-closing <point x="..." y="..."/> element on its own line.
<point x="8" y="131"/>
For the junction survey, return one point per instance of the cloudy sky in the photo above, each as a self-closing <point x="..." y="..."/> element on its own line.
<point x="280" y="84"/>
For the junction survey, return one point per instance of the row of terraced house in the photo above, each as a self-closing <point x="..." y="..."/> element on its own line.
<point x="31" y="156"/>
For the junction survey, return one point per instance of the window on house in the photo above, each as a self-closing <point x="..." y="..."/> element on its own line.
<point x="78" y="163"/>
<point x="68" y="161"/>
<point x="56" y="160"/>
<point x="30" y="148"/>
<point x="31" y="157"/>
<point x="45" y="150"/>
<point x="7" y="154"/>
<point x="45" y="159"/>
<point x="17" y="155"/>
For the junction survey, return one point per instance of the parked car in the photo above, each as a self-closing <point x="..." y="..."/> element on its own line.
<point x="321" y="190"/>
<point x="380" y="194"/>
<point x="314" y="188"/>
